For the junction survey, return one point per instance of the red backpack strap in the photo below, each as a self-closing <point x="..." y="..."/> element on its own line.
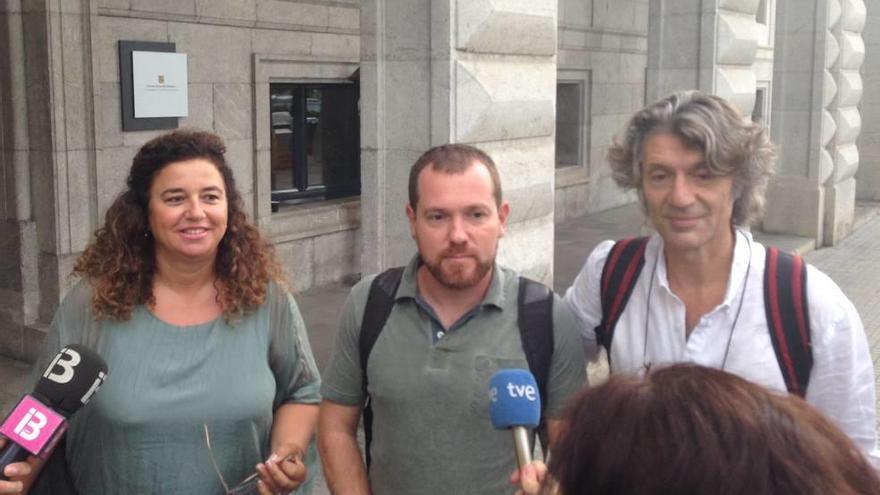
<point x="788" y="317"/>
<point x="619" y="276"/>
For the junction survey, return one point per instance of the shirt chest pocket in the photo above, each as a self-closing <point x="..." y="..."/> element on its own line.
<point x="484" y="367"/>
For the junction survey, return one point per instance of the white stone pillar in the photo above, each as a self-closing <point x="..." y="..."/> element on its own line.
<point x="481" y="72"/>
<point x="868" y="176"/>
<point x="708" y="45"/>
<point x="840" y="188"/>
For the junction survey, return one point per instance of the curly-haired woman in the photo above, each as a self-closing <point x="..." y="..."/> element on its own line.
<point x="211" y="372"/>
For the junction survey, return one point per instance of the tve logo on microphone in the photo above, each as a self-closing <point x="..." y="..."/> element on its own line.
<point x="526" y="391"/>
<point x="515" y="399"/>
<point x="515" y="389"/>
<point x="33" y="425"/>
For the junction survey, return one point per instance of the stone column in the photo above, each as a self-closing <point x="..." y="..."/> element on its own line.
<point x="708" y="45"/>
<point x="19" y="294"/>
<point x="868" y="176"/>
<point x="50" y="120"/>
<point x="815" y="118"/>
<point x="481" y="72"/>
<point x="802" y="124"/>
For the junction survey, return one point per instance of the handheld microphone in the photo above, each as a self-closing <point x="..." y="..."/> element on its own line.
<point x="516" y="405"/>
<point x="40" y="419"/>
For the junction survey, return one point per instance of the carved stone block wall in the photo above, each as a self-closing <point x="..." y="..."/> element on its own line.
<point x="475" y="71"/>
<point x="695" y="45"/>
<point x="868" y="175"/>
<point x="736" y="44"/>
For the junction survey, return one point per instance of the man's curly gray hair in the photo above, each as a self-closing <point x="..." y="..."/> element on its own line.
<point x="730" y="144"/>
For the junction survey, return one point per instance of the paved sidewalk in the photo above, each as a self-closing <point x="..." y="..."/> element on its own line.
<point x="854" y="265"/>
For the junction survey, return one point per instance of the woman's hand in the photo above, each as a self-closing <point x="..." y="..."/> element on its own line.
<point x="530" y="478"/>
<point x="283" y="472"/>
<point x="15" y="472"/>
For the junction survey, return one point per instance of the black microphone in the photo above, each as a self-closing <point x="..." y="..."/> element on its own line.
<point x="40" y="419"/>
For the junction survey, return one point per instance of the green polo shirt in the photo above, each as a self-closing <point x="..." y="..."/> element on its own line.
<point x="431" y="426"/>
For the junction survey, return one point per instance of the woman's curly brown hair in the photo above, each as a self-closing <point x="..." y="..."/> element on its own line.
<point x="120" y="263"/>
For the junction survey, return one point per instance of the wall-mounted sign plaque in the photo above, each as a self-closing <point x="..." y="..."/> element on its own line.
<point x="153" y="85"/>
<point x="159" y="84"/>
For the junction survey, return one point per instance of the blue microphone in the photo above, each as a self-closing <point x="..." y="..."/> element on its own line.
<point x="515" y="404"/>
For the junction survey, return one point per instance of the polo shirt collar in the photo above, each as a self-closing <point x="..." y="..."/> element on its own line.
<point x="409" y="290"/>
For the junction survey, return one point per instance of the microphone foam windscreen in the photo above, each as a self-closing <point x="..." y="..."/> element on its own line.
<point x="71" y="378"/>
<point x="514" y="399"/>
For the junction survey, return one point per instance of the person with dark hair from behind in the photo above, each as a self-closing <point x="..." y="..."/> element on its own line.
<point x="211" y="377"/>
<point x="688" y="429"/>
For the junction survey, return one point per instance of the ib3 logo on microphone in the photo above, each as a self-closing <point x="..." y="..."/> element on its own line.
<point x="67" y="360"/>
<point x="33" y="425"/>
<point x="62" y="370"/>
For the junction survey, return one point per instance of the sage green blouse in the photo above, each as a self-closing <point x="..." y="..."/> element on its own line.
<point x="144" y="431"/>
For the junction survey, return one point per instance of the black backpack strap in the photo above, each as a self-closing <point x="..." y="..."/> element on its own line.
<point x="619" y="276"/>
<point x="535" y="321"/>
<point x="788" y="318"/>
<point x="380" y="302"/>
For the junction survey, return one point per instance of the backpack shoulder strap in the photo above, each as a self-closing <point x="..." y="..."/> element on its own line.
<point x="785" y="303"/>
<point x="535" y="322"/>
<point x="619" y="276"/>
<point x="380" y="302"/>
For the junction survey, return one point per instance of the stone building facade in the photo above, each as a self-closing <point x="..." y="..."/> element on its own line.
<point x="324" y="104"/>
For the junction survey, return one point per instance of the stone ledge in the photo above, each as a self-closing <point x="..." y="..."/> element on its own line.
<point x="312" y="220"/>
<point x="789" y="243"/>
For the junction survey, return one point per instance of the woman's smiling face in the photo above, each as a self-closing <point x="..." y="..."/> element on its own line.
<point x="188" y="210"/>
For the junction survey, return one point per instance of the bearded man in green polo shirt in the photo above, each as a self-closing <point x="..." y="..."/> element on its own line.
<point x="453" y="323"/>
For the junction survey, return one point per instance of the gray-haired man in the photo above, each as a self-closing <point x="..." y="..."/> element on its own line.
<point x="701" y="289"/>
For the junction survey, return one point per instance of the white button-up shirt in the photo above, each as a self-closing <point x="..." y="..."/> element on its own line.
<point x="651" y="330"/>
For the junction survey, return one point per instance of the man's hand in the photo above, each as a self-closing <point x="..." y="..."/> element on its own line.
<point x="530" y="478"/>
<point x="283" y="472"/>
<point x="15" y="472"/>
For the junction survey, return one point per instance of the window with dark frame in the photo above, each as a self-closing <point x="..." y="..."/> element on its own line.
<point x="569" y="101"/>
<point x="315" y="142"/>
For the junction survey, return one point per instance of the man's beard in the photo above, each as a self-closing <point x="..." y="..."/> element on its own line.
<point x="457" y="278"/>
